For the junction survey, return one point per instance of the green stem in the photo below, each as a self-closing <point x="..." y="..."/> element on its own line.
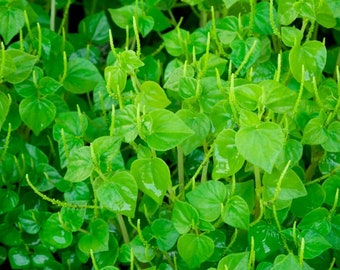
<point x="180" y="166"/>
<point x="123" y="228"/>
<point x="94" y="263"/>
<point x="53" y="15"/>
<point x="65" y="17"/>
<point x="258" y="191"/>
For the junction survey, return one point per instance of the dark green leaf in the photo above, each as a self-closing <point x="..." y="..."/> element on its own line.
<point x="37" y="114"/>
<point x="5" y="103"/>
<point x="82" y="76"/>
<point x="97" y="239"/>
<point x="165" y="233"/>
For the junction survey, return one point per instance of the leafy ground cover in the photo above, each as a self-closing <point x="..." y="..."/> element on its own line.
<point x="164" y="134"/>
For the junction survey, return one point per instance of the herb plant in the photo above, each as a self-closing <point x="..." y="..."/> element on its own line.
<point x="164" y="134"/>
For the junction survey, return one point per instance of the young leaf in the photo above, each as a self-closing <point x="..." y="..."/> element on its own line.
<point x="24" y="63"/>
<point x="235" y="261"/>
<point x="80" y="165"/>
<point x="314" y="132"/>
<point x="236" y="213"/>
<point x="195" y="249"/>
<point x="152" y="96"/>
<point x="126" y="123"/>
<point x="260" y="144"/>
<point x="184" y="217"/>
<point x="287" y="262"/>
<point x="152" y="176"/>
<point x="164" y="130"/>
<point x="291" y="186"/>
<point x="165" y="233"/>
<point x="227" y="159"/>
<point x="208" y="198"/>
<point x="312" y="56"/>
<point x="199" y="123"/>
<point x="118" y="193"/>
<point x="11" y="21"/>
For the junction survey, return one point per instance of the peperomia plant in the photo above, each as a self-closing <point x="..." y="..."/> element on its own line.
<point x="157" y="134"/>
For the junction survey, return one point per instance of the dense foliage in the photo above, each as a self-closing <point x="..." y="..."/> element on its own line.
<point x="164" y="134"/>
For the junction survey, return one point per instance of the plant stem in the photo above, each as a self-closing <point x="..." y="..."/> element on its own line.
<point x="123" y="229"/>
<point x="258" y="190"/>
<point x="53" y="15"/>
<point x="180" y="166"/>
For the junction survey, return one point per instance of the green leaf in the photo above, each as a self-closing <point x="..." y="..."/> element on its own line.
<point x="95" y="27"/>
<point x="292" y="151"/>
<point x="106" y="149"/>
<point x="235" y="261"/>
<point x="36" y="113"/>
<point x="184" y="217"/>
<point x="199" y="123"/>
<point x="48" y="85"/>
<point x="248" y="95"/>
<point x="82" y="76"/>
<point x="152" y="96"/>
<point x="277" y="97"/>
<point x="333" y="138"/>
<point x="317" y="220"/>
<point x="109" y="257"/>
<point x="334" y="236"/>
<point x="208" y="199"/>
<point x="24" y="63"/>
<point x="165" y="234"/>
<point x="152" y="176"/>
<point x="195" y="249"/>
<point x="227" y="29"/>
<point x="315" y="198"/>
<point x="118" y="192"/>
<point x="187" y="87"/>
<point x="31" y="220"/>
<point x="241" y="48"/>
<point x="42" y="257"/>
<point x="141" y="250"/>
<point x="291" y="35"/>
<point x="286" y="12"/>
<point x="314" y="132"/>
<point x="129" y="61"/>
<point x="97" y="239"/>
<point x="115" y="78"/>
<point x="53" y="233"/>
<point x="145" y="25"/>
<point x="11" y="21"/>
<point x="227" y="159"/>
<point x="312" y="56"/>
<point x="122" y="16"/>
<point x="19" y="258"/>
<point x="126" y="123"/>
<point x="5" y="103"/>
<point x="164" y="130"/>
<point x="262" y="23"/>
<point x="236" y="213"/>
<point x="291" y="187"/>
<point x="80" y="165"/>
<point x="266" y="239"/>
<point x="72" y="219"/>
<point x="9" y="199"/>
<point x="330" y="185"/>
<point x="260" y="144"/>
<point x="287" y="262"/>
<point x="315" y="244"/>
<point x="175" y="41"/>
